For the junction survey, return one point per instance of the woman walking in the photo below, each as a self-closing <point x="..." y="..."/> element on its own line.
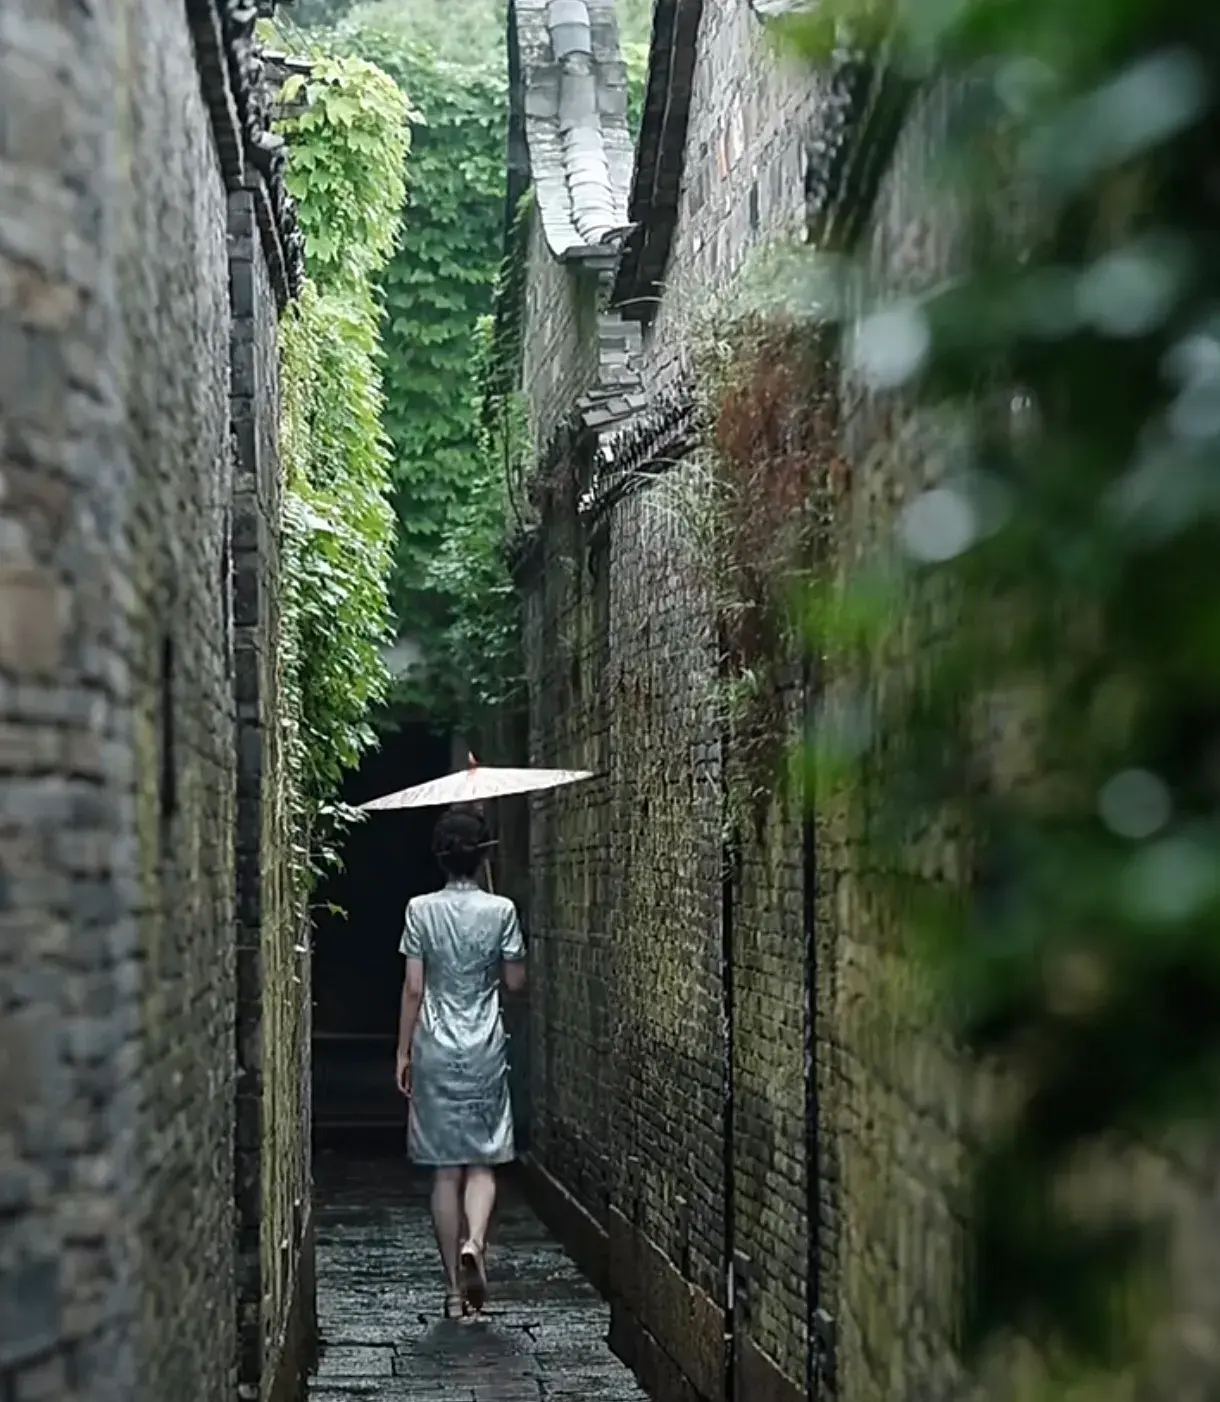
<point x="461" y="944"/>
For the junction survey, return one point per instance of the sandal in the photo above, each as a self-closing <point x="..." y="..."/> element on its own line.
<point x="455" y="1305"/>
<point x="474" y="1276"/>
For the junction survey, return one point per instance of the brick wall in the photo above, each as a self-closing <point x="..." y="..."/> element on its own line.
<point x="701" y="956"/>
<point x="900" y="1105"/>
<point x="628" y="1052"/>
<point x="117" y="757"/>
<point x="689" y="1065"/>
<point x="771" y="973"/>
<point x="173" y="368"/>
<point x="738" y="1073"/>
<point x="560" y="351"/>
<point x="748" y="143"/>
<point x="69" y="868"/>
<point x="668" y="1138"/>
<point x="758" y="976"/>
<point x="895" y="1106"/>
<point x="567" y="1024"/>
<point x="272" y="1163"/>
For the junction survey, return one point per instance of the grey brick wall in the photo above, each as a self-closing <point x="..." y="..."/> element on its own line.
<point x="273" y="1173"/>
<point x="170" y="216"/>
<point x="651" y="1014"/>
<point x="895" y="1107"/>
<point x="748" y="143"/>
<point x="628" y="1051"/>
<point x="69" y="864"/>
<point x="648" y="1021"/>
<point x="118" y="989"/>
<point x="628" y="890"/>
<point x="560" y="351"/>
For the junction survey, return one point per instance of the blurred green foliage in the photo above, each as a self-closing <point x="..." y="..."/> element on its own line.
<point x="1073" y="365"/>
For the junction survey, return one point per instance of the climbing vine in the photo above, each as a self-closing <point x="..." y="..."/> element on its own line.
<point x="1070" y="376"/>
<point x="451" y="586"/>
<point x="346" y="127"/>
<point x="448" y="563"/>
<point x="482" y="621"/>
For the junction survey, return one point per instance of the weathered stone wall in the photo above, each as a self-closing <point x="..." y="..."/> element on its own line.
<point x="273" y="1014"/>
<point x="172" y="273"/>
<point x="895" y="1108"/>
<point x="70" y="969"/>
<point x="712" y="1083"/>
<point x="567" y="950"/>
<point x="900" y="1199"/>
<point x="627" y="1056"/>
<point x="706" y="961"/>
<point x="740" y="1075"/>
<point x="560" y="351"/>
<point x="668" y="1130"/>
<point x="743" y="179"/>
<point x="117" y="761"/>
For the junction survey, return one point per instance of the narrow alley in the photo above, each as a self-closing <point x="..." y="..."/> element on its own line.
<point x="543" y="1338"/>
<point x="618" y="591"/>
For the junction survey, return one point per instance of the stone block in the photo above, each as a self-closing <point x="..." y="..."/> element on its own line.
<point x="31" y="1307"/>
<point x="34" y="613"/>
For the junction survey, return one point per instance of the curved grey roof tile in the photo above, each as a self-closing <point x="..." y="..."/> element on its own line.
<point x="574" y="111"/>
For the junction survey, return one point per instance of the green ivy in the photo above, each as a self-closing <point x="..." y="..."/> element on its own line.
<point x="448" y="563"/>
<point x="635" y="59"/>
<point x="347" y="132"/>
<point x="451" y="588"/>
<point x="482" y="626"/>
<point x="346" y="172"/>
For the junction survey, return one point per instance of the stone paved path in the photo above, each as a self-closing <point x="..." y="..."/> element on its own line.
<point x="379" y="1303"/>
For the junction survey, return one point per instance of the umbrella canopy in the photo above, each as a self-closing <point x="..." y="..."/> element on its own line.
<point x="476" y="784"/>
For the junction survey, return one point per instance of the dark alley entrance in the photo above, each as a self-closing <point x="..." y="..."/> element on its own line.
<point x="357" y="924"/>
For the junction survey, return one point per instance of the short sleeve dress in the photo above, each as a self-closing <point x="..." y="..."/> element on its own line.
<point x="461" y="1113"/>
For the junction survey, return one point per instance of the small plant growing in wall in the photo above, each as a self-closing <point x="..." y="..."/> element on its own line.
<point x="769" y="432"/>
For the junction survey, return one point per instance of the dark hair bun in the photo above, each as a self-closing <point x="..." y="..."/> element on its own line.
<point x="460" y="834"/>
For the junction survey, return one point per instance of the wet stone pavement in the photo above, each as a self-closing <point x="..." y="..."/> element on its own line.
<point x="380" y="1299"/>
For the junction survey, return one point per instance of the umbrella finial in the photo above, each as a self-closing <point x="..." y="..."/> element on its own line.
<point x="471" y="761"/>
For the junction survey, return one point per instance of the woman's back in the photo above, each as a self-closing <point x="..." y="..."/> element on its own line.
<point x="462" y="934"/>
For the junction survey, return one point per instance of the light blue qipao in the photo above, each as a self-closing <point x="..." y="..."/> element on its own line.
<point x="460" y="1107"/>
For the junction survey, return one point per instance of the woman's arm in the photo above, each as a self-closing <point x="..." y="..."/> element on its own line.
<point x="512" y="971"/>
<point x="412" y="946"/>
<point x="512" y="952"/>
<point x="408" y="1016"/>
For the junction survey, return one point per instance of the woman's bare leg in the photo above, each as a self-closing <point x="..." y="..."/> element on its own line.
<point x="447" y="1220"/>
<point x="480" y="1198"/>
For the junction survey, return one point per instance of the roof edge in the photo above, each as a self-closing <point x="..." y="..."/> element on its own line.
<point x="660" y="157"/>
<point x="568" y="119"/>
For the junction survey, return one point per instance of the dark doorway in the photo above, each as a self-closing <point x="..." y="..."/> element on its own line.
<point x="357" y="971"/>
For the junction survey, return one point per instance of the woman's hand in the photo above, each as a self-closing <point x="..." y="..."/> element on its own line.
<point x="402" y="1072"/>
